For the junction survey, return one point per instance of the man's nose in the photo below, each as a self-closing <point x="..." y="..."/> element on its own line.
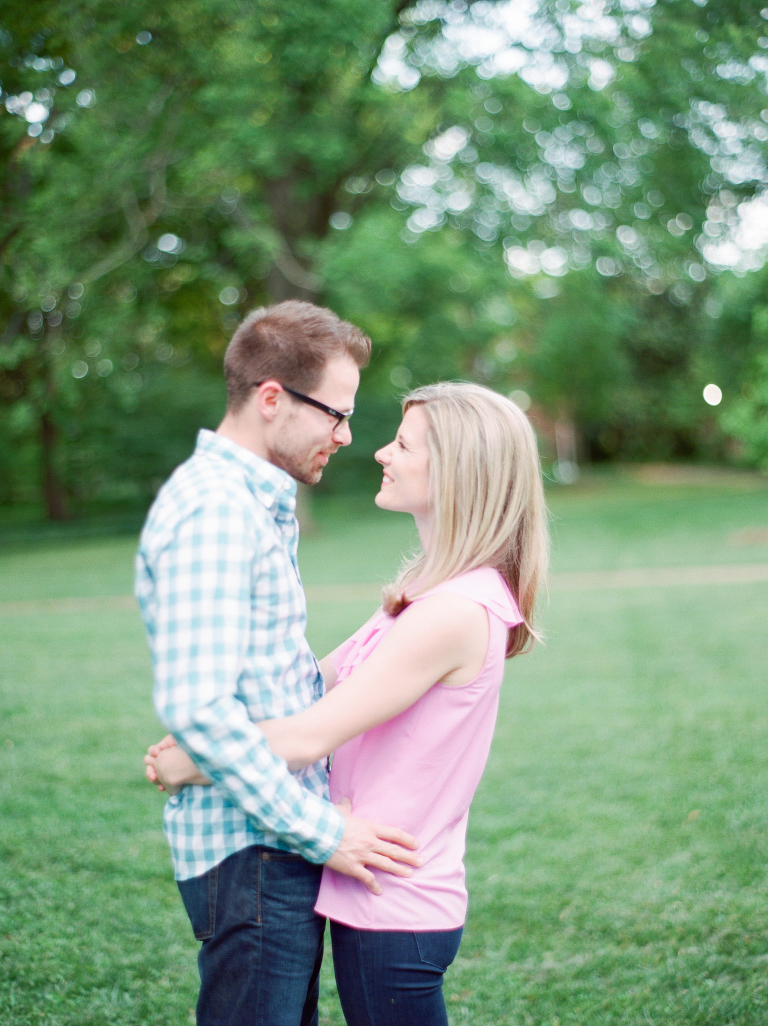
<point x="342" y="435"/>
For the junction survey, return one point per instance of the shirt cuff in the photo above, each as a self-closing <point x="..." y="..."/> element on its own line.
<point x="321" y="846"/>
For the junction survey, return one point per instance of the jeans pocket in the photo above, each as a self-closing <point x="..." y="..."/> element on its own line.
<point x="438" y="947"/>
<point x="277" y="855"/>
<point x="199" y="897"/>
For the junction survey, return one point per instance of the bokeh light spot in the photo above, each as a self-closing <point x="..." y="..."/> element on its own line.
<point x="400" y="377"/>
<point x="36" y="112"/>
<point x="521" y="399"/>
<point x="341" y="220"/>
<point x="170" y="243"/>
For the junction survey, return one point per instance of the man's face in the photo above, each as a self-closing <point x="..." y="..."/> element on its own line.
<point x="304" y="438"/>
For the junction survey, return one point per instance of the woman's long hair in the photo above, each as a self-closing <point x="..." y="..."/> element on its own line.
<point x="486" y="496"/>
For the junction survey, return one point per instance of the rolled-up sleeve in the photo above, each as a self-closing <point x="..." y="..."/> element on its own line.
<point x="202" y="587"/>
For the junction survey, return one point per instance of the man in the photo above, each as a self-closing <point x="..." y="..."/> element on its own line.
<point x="219" y="588"/>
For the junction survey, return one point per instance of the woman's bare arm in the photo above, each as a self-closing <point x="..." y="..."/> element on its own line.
<point x="328" y="671"/>
<point x="171" y="768"/>
<point x="441" y="638"/>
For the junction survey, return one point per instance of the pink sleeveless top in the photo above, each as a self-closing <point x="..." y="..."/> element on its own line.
<point x="419" y="771"/>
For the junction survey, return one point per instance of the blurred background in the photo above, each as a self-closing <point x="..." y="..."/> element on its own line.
<point x="562" y="200"/>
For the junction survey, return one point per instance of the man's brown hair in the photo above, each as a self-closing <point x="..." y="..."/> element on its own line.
<point x="289" y="342"/>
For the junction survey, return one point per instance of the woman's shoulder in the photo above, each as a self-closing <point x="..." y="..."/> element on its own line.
<point x="486" y="586"/>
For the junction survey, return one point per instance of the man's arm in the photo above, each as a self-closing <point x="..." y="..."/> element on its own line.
<point x="363" y="844"/>
<point x="200" y="638"/>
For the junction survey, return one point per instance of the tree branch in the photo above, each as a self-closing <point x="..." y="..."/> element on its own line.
<point x="293" y="272"/>
<point x="8" y="239"/>
<point x="282" y="256"/>
<point x="139" y="221"/>
<point x="15" y="321"/>
<point x="137" y="227"/>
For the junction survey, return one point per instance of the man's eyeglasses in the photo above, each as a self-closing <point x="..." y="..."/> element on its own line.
<point x="339" y="417"/>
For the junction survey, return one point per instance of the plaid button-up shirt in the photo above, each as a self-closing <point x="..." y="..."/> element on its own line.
<point x="219" y="589"/>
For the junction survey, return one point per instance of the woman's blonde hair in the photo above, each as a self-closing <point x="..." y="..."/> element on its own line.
<point x="487" y="499"/>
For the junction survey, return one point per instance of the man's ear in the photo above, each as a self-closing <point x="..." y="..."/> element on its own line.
<point x="268" y="398"/>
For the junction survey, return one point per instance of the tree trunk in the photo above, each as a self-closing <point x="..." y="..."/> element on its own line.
<point x="290" y="277"/>
<point x="53" y="490"/>
<point x="307" y="522"/>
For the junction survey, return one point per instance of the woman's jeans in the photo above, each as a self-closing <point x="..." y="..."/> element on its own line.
<point x="262" y="942"/>
<point x="392" y="978"/>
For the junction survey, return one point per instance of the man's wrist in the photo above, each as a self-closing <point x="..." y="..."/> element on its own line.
<point x="320" y="852"/>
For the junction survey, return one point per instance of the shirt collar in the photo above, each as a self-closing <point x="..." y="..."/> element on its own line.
<point x="274" y="488"/>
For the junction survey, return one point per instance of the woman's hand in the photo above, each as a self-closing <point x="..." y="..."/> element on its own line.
<point x="152" y="753"/>
<point x="170" y="767"/>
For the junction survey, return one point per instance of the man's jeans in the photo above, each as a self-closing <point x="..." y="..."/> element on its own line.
<point x="262" y="942"/>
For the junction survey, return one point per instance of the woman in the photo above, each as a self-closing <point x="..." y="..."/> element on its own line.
<point x="412" y="697"/>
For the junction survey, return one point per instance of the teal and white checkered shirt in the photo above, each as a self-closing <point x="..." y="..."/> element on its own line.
<point x="219" y="589"/>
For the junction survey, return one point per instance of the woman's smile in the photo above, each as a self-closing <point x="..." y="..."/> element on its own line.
<point x="405" y="465"/>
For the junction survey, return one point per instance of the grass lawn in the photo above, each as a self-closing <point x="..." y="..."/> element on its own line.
<point x="618" y="844"/>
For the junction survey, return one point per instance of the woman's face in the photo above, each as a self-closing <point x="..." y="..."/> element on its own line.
<point x="405" y="486"/>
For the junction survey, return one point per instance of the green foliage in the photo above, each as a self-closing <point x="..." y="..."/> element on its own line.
<point x="747" y="418"/>
<point x="537" y="213"/>
<point x="740" y="327"/>
<point x="435" y="306"/>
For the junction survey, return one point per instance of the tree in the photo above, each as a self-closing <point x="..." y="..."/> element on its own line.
<point x="181" y="159"/>
<point x="622" y="147"/>
<point x="535" y="211"/>
<point x="738" y="315"/>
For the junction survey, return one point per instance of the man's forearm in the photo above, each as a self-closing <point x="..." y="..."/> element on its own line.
<point x="202" y="635"/>
<point x="230" y="749"/>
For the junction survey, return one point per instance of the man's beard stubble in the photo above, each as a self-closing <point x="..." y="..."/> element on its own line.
<point x="294" y="463"/>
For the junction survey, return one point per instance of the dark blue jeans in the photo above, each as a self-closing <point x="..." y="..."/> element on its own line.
<point x="262" y="942"/>
<point x="392" y="978"/>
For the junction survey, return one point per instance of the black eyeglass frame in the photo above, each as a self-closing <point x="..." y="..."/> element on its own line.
<point x="339" y="417"/>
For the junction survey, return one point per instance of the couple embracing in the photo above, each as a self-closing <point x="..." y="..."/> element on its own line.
<point x="265" y="846"/>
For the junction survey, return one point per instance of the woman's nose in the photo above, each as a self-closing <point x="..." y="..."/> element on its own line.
<point x="382" y="456"/>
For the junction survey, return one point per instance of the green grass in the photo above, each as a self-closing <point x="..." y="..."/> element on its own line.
<point x="618" y="844"/>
